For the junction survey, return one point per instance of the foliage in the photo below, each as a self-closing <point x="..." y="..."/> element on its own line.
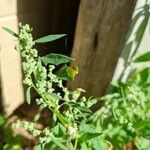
<point x="40" y="75"/>
<point x="10" y="141"/>
<point x="124" y="116"/>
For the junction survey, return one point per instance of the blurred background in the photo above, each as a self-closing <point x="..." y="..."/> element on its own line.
<point x="101" y="35"/>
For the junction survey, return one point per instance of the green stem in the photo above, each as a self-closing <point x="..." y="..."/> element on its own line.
<point x="76" y="142"/>
<point x="53" y="108"/>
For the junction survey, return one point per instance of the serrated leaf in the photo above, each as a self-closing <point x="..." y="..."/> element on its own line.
<point x="28" y="95"/>
<point x="49" y="38"/>
<point x="143" y="58"/>
<point x="88" y="136"/>
<point x="10" y="31"/>
<point x="55" y="59"/>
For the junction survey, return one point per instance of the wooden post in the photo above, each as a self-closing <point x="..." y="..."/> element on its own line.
<point x="101" y="29"/>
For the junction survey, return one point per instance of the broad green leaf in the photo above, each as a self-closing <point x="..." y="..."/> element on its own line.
<point x="143" y="58"/>
<point x="55" y="59"/>
<point x="28" y="95"/>
<point x="10" y="31"/>
<point x="49" y="38"/>
<point x="88" y="136"/>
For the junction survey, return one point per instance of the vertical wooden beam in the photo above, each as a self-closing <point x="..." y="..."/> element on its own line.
<point x="101" y="29"/>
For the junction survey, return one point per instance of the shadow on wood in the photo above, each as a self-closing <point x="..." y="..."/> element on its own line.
<point x="101" y="28"/>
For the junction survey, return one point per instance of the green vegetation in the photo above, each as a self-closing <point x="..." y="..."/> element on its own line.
<point x="123" y="118"/>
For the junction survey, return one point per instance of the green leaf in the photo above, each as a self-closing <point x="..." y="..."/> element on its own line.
<point x="59" y="130"/>
<point x="2" y="120"/>
<point x="63" y="120"/>
<point x="67" y="73"/>
<point x="143" y="58"/>
<point x="55" y="59"/>
<point x="57" y="141"/>
<point x="54" y="97"/>
<point x="28" y="95"/>
<point x="10" y="31"/>
<point x="88" y="136"/>
<point x="49" y="38"/>
<point x="62" y="73"/>
<point x="72" y="71"/>
<point x="79" y="107"/>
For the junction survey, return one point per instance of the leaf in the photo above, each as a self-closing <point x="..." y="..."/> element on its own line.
<point x="28" y="95"/>
<point x="72" y="72"/>
<point x="79" y="107"/>
<point x="54" y="97"/>
<point x="57" y="142"/>
<point x="55" y="59"/>
<point x="143" y="58"/>
<point x="49" y="38"/>
<point x="10" y="31"/>
<point x="2" y="120"/>
<point x="87" y="136"/>
<point x="67" y="73"/>
<point x="59" y="130"/>
<point x="62" y="73"/>
<point x="60" y="117"/>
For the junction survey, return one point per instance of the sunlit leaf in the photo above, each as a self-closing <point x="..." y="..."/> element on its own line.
<point x="10" y="31"/>
<point x="49" y="38"/>
<point x="87" y="136"/>
<point x="143" y="58"/>
<point x="72" y="71"/>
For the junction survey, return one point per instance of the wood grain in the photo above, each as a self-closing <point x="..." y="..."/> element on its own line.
<point x="100" y="31"/>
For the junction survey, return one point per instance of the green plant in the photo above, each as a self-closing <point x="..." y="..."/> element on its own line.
<point x="125" y="114"/>
<point x="123" y="118"/>
<point x="39" y="73"/>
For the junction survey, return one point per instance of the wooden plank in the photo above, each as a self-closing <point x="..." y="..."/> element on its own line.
<point x="101" y="29"/>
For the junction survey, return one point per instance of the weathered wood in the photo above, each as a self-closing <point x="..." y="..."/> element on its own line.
<point x="101" y="28"/>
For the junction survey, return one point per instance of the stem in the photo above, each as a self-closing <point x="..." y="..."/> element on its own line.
<point x="76" y="142"/>
<point x="53" y="108"/>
